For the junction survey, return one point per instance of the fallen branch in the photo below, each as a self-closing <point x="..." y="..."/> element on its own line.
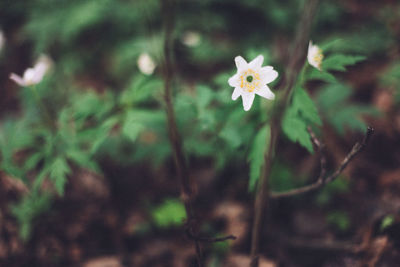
<point x="322" y="179"/>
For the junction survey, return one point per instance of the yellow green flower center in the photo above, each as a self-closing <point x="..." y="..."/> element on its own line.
<point x="318" y="57"/>
<point x="249" y="80"/>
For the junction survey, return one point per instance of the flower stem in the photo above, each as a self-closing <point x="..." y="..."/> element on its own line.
<point x="292" y="72"/>
<point x="45" y="111"/>
<point x="187" y="193"/>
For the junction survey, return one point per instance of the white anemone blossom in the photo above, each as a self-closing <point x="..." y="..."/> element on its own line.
<point x="191" y="38"/>
<point x="146" y="64"/>
<point x="314" y="55"/>
<point x="250" y="79"/>
<point x="33" y="75"/>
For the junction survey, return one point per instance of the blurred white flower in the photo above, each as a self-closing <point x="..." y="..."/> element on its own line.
<point x="315" y="56"/>
<point x="250" y="79"/>
<point x="2" y="40"/>
<point x="146" y="64"/>
<point x="33" y="75"/>
<point x="191" y="38"/>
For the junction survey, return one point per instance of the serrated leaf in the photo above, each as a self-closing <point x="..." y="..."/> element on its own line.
<point x="132" y="126"/>
<point x="257" y="153"/>
<point x="58" y="174"/>
<point x="305" y="106"/>
<point x="339" y="62"/>
<point x="333" y="95"/>
<point x="315" y="74"/>
<point x="331" y="44"/>
<point x="32" y="161"/>
<point x="296" y="129"/>
<point x="81" y="158"/>
<point x="140" y="89"/>
<point x="340" y="112"/>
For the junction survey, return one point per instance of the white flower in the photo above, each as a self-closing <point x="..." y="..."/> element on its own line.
<point x="250" y="79"/>
<point x="33" y="75"/>
<point x="2" y="40"/>
<point x="191" y="38"/>
<point x="146" y="64"/>
<point x="314" y="55"/>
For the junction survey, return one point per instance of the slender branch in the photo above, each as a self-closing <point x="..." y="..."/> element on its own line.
<point x="322" y="180"/>
<point x="293" y="69"/>
<point x="187" y="193"/>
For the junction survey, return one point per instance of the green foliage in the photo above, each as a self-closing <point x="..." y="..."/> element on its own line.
<point x="257" y="154"/>
<point x="387" y="221"/>
<point x="170" y="213"/>
<point x="339" y="111"/>
<point x="282" y="177"/>
<point x="301" y="113"/>
<point x="391" y="80"/>
<point x="58" y="174"/>
<point x="101" y="107"/>
<point x="339" y="219"/>
<point x="329" y="191"/>
<point x="28" y="209"/>
<point x="339" y="62"/>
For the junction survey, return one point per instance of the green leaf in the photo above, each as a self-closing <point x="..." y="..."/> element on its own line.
<point x="327" y="193"/>
<point x="30" y="207"/>
<point x="257" y="154"/>
<point x="333" y="95"/>
<point x="339" y="62"/>
<point x="32" y="161"/>
<point x="132" y="126"/>
<point x="340" y="219"/>
<point x="334" y="101"/>
<point x="315" y="74"/>
<point x="282" y="177"/>
<point x="140" y="89"/>
<point x="296" y="130"/>
<point x="387" y="221"/>
<point x="305" y="105"/>
<point x="170" y="213"/>
<point x="58" y="173"/>
<point x="81" y="158"/>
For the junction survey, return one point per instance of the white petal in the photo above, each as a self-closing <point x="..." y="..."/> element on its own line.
<point x="247" y="99"/>
<point x="310" y="45"/>
<point x="241" y="64"/>
<point x="18" y="79"/>
<point x="31" y="76"/>
<point x="42" y="66"/>
<point x="265" y="92"/>
<point x="236" y="93"/>
<point x="268" y="75"/>
<point x="146" y="64"/>
<point x="234" y="80"/>
<point x="257" y="62"/>
<point x="266" y="69"/>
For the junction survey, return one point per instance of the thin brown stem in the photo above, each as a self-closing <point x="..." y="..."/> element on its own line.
<point x="322" y="180"/>
<point x="293" y="69"/>
<point x="187" y="193"/>
<point x="181" y="165"/>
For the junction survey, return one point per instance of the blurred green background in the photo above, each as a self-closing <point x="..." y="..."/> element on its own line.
<point x="86" y="167"/>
